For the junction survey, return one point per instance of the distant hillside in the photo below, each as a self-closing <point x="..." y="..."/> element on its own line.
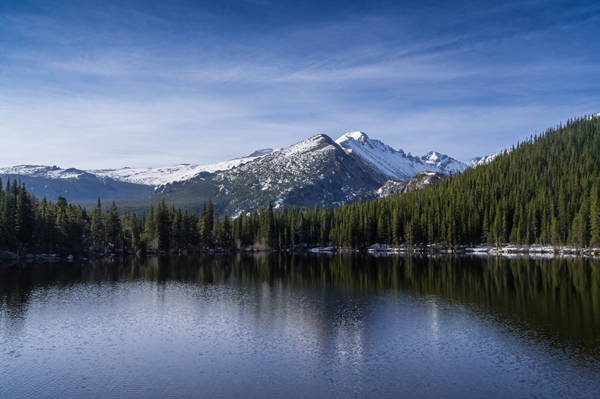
<point x="79" y="186"/>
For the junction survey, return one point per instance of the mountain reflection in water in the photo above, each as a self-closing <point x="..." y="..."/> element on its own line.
<point x="328" y="325"/>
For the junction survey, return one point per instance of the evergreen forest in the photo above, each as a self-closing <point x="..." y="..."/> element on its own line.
<point x="545" y="190"/>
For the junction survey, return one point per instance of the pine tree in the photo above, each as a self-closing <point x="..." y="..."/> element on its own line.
<point x="177" y="233"/>
<point x="269" y="229"/>
<point x="98" y="230"/>
<point x="2" y="228"/>
<point x="227" y="233"/>
<point x="150" y="228"/>
<point x="62" y="221"/>
<point x="206" y="224"/>
<point x="25" y="218"/>
<point x="162" y="225"/>
<point x="595" y="218"/>
<point x="136" y="231"/>
<point x="113" y="228"/>
<point x="10" y="217"/>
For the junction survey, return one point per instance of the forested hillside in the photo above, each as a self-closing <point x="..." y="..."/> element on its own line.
<point x="545" y="190"/>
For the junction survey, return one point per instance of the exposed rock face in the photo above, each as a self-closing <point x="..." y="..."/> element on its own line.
<point x="420" y="180"/>
<point x="391" y="187"/>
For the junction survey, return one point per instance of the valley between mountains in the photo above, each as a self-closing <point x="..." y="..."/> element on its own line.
<point x="318" y="171"/>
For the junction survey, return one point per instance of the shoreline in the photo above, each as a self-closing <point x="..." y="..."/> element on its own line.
<point x="8" y="259"/>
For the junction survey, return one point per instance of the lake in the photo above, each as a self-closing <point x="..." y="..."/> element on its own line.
<point x="301" y="326"/>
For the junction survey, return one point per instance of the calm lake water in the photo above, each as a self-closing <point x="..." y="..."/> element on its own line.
<point x="301" y="326"/>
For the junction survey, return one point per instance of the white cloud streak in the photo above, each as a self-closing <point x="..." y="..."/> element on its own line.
<point x="98" y="99"/>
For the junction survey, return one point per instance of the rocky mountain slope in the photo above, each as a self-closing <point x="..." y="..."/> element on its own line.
<point x="420" y="180"/>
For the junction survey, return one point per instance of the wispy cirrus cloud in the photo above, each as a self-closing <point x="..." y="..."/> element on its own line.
<point x="152" y="84"/>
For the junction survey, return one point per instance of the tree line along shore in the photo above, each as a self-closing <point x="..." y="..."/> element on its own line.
<point x="544" y="192"/>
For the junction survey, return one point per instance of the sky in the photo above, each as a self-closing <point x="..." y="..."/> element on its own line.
<point x="108" y="84"/>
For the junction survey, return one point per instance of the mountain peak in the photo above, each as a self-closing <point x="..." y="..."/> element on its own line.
<point x="432" y="155"/>
<point x="443" y="162"/>
<point x="316" y="142"/>
<point x="355" y="136"/>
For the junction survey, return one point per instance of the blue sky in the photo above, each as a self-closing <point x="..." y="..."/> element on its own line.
<point x="97" y="84"/>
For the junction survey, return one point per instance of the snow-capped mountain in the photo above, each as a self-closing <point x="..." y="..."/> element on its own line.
<point x="313" y="171"/>
<point x="396" y="165"/>
<point x="318" y="170"/>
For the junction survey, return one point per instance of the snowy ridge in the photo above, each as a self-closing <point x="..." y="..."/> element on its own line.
<point x="393" y="164"/>
<point x="170" y="174"/>
<point x="477" y="161"/>
<point x="151" y="176"/>
<point x="396" y="165"/>
<point x="48" y="172"/>
<point x="145" y="176"/>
